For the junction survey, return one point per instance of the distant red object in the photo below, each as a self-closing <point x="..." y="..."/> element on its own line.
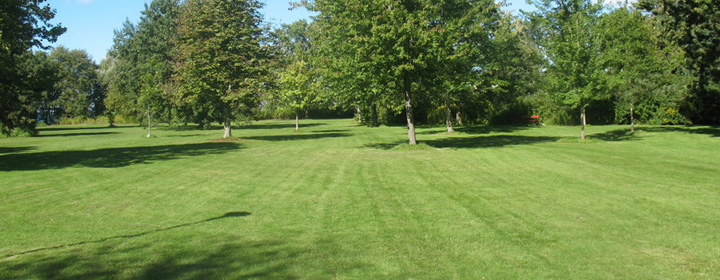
<point x="534" y="119"/>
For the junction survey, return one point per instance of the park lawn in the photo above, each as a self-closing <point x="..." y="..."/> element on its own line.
<point x="341" y="201"/>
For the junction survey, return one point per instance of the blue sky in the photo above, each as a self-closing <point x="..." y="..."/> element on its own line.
<point x="91" y="23"/>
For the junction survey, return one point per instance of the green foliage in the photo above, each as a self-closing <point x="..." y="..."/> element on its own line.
<point x="119" y="72"/>
<point x="77" y="84"/>
<point x="642" y="72"/>
<point x="396" y="53"/>
<point x="23" y="25"/>
<point x="297" y="78"/>
<point x="510" y="74"/>
<point x="697" y="28"/>
<point x="564" y="30"/>
<point x="44" y="76"/>
<point x="224" y="60"/>
<point x="139" y="68"/>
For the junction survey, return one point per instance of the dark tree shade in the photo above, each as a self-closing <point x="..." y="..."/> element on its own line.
<point x="23" y="25"/>
<point x="697" y="23"/>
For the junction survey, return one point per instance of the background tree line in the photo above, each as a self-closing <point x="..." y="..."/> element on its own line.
<point x="385" y="61"/>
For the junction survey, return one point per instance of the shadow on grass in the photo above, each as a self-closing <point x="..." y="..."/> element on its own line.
<point x="384" y="146"/>
<point x="226" y="259"/>
<point x="78" y="127"/>
<point x="227" y="215"/>
<point x="291" y="137"/>
<point x="475" y="129"/>
<point x="162" y="257"/>
<point x="109" y="158"/>
<point x="280" y="126"/>
<point x="77" y="134"/>
<point x="486" y="129"/>
<point x="181" y="128"/>
<point x="330" y="131"/>
<point x="185" y="135"/>
<point x="615" y="136"/>
<point x="12" y="150"/>
<point x="712" y="131"/>
<point x="494" y="141"/>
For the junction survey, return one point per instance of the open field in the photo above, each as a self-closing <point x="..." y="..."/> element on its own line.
<point x="341" y="201"/>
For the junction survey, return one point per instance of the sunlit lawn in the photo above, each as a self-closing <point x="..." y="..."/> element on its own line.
<point x="342" y="201"/>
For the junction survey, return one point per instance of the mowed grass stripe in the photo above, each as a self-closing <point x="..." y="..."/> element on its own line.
<point x="337" y="200"/>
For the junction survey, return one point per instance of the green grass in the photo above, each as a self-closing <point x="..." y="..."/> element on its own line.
<point x="341" y="201"/>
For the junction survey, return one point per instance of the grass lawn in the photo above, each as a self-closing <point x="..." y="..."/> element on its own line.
<point x="341" y="201"/>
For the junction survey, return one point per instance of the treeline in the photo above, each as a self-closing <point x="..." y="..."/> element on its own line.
<point x="385" y="61"/>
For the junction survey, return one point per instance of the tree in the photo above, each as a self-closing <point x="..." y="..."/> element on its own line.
<point x="297" y="88"/>
<point x="121" y="73"/>
<point x="460" y="36"/>
<point x="563" y="29"/>
<point x="23" y="25"/>
<point x="156" y="34"/>
<point x="697" y="29"/>
<point x="645" y="79"/>
<point x="77" y="84"/>
<point x="223" y="57"/>
<point x="347" y="74"/>
<point x="394" y="50"/>
<point x="45" y="71"/>
<point x="140" y="65"/>
<point x="297" y="78"/>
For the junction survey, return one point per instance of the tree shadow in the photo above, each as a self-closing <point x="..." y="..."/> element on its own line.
<point x="476" y="129"/>
<point x="494" y="141"/>
<point x="65" y="128"/>
<point x="163" y="257"/>
<point x="185" y="135"/>
<point x="330" y="131"/>
<point x="487" y="129"/>
<point x="77" y="134"/>
<point x="125" y="236"/>
<point x="291" y="137"/>
<point x="12" y="150"/>
<point x="109" y="158"/>
<point x="235" y="260"/>
<point x="712" y="131"/>
<point x="384" y="146"/>
<point x="180" y="128"/>
<point x="615" y="136"/>
<point x="280" y="125"/>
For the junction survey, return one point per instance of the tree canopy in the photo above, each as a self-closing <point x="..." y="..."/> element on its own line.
<point x="223" y="59"/>
<point x="414" y="62"/>
<point x="24" y="24"/>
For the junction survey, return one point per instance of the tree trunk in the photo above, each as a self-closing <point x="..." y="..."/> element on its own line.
<point x="632" y="119"/>
<point x="227" y="128"/>
<point x="359" y="114"/>
<point x="111" y="119"/>
<point x="297" y="122"/>
<point x="149" y="126"/>
<point x="169" y="115"/>
<point x="448" y="114"/>
<point x="374" y="115"/>
<point x="458" y="118"/>
<point x="228" y="119"/>
<point x="409" y="112"/>
<point x="583" y="118"/>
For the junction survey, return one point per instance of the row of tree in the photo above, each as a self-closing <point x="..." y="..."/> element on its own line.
<point x="390" y="61"/>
